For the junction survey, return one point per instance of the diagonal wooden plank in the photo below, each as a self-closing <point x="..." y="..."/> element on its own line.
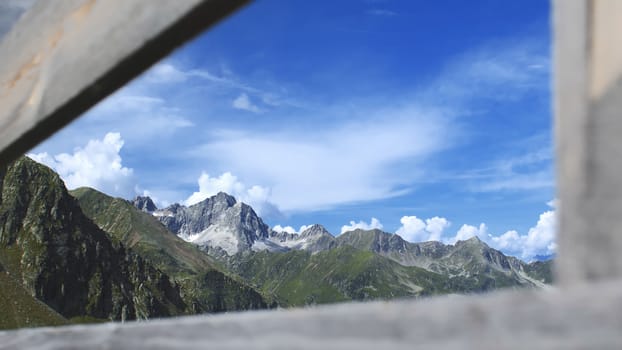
<point x="63" y="57"/>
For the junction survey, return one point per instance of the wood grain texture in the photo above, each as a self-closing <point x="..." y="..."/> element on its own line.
<point x="62" y="57"/>
<point x="588" y="125"/>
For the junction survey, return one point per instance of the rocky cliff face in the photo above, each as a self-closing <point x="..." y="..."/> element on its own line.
<point x="314" y="239"/>
<point x="205" y="285"/>
<point x="63" y="259"/>
<point x="144" y="203"/>
<point x="224" y="227"/>
<point x="218" y="224"/>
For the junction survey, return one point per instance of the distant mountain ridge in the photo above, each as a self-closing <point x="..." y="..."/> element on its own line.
<point x="221" y="223"/>
<point x="218" y="222"/>
<point x="224" y="227"/>
<point x="450" y="260"/>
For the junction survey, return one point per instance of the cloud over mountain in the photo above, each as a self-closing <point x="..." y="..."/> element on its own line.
<point x="373" y="224"/>
<point x="98" y="165"/>
<point x="538" y="241"/>
<point x="256" y="196"/>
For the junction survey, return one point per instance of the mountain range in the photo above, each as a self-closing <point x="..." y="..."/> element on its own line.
<point x="84" y="256"/>
<point x="307" y="267"/>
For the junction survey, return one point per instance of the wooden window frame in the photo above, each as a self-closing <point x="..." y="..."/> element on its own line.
<point x="50" y="76"/>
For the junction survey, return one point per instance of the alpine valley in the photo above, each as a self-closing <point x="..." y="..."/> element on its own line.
<point x="83" y="256"/>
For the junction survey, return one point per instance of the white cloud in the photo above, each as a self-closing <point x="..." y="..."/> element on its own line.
<point x="144" y="121"/>
<point x="436" y="226"/>
<point x="168" y="73"/>
<point x="320" y="168"/>
<point x="288" y="229"/>
<point x="291" y="230"/>
<point x="243" y="102"/>
<point x="529" y="171"/>
<point x="467" y="231"/>
<point x="256" y="196"/>
<point x="98" y="165"/>
<point x="165" y="72"/>
<point x="539" y="240"/>
<point x="130" y="111"/>
<point x="374" y="224"/>
<point x="414" y="229"/>
<point x="497" y="70"/>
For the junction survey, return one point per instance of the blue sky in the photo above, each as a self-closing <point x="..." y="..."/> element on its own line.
<point x="431" y="117"/>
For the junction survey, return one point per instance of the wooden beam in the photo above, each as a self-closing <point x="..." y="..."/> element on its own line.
<point x="588" y="122"/>
<point x="63" y="57"/>
<point x="582" y="317"/>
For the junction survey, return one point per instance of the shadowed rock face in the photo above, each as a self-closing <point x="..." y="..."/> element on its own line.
<point x="63" y="259"/>
<point x="205" y="285"/>
<point x="144" y="203"/>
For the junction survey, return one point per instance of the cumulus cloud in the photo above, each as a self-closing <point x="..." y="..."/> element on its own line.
<point x="539" y="240"/>
<point x="256" y="196"/>
<point x="291" y="230"/>
<point x="243" y="102"/>
<point x="98" y="165"/>
<point x="414" y="229"/>
<point x="374" y="224"/>
<point x="467" y="231"/>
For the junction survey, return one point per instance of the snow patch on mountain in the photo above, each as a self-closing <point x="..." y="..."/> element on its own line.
<point x="215" y="236"/>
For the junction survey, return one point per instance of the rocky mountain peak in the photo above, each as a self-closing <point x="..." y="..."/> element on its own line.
<point x="221" y="200"/>
<point x="144" y="203"/>
<point x="473" y="241"/>
<point x="314" y="230"/>
<point x="218" y="223"/>
<point x="375" y="240"/>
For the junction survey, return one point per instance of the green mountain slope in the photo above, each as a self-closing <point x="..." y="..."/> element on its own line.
<point x="20" y="309"/>
<point x="364" y="265"/>
<point x="472" y="261"/>
<point x="340" y="274"/>
<point x="63" y="259"/>
<point x="205" y="285"/>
